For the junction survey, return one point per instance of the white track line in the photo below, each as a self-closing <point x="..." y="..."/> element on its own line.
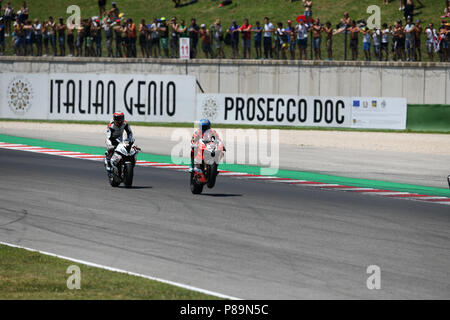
<point x="67" y="153"/>
<point x="430" y="198"/>
<point x="18" y="148"/>
<point x="10" y="145"/>
<point x="284" y="181"/>
<point x="232" y="174"/>
<point x="168" y="167"/>
<point x="91" y="264"/>
<point x="156" y="164"/>
<point x="30" y="148"/>
<point x="442" y="202"/>
<point x="263" y="177"/>
<point x="42" y="150"/>
<point x="390" y="193"/>
<point x="356" y="189"/>
<point x="314" y="184"/>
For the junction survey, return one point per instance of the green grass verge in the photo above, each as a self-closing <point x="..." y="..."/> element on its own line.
<point x="255" y="10"/>
<point x="428" y="117"/>
<point x="234" y="126"/>
<point x="30" y="275"/>
<point x="300" y="175"/>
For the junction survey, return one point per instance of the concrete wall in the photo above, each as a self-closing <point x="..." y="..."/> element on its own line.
<point x="420" y="83"/>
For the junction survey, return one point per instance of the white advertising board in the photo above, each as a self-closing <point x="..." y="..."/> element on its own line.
<point x="151" y="98"/>
<point x="379" y="113"/>
<point x="348" y="112"/>
<point x="173" y="98"/>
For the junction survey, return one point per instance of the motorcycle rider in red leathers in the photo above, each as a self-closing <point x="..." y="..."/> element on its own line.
<point x="196" y="152"/>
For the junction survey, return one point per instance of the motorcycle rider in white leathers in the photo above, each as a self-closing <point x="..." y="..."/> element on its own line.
<point x="114" y="134"/>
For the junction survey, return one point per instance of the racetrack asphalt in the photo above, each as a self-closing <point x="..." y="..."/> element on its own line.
<point x="247" y="239"/>
<point x="427" y="168"/>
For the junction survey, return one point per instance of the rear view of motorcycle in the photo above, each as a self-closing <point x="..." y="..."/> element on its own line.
<point x="123" y="162"/>
<point x="211" y="151"/>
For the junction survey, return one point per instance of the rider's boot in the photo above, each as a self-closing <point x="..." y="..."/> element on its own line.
<point x="108" y="162"/>
<point x="201" y="177"/>
<point x="197" y="170"/>
<point x="191" y="166"/>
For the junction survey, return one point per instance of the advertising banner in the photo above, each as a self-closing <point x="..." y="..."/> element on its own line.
<point x="348" y="112"/>
<point x="151" y="98"/>
<point x="173" y="98"/>
<point x="379" y="113"/>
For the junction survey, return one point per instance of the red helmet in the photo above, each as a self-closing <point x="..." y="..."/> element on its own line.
<point x="118" y="118"/>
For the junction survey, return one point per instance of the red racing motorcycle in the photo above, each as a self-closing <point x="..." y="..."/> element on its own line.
<point x="211" y="151"/>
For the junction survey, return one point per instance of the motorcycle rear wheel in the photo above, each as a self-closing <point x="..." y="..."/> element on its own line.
<point x="113" y="182"/>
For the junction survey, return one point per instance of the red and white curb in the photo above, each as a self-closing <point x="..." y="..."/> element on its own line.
<point x="240" y="175"/>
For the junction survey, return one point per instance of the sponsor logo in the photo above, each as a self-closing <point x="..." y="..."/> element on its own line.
<point x="210" y="108"/>
<point x="365" y="104"/>
<point x="383" y="104"/>
<point x="356" y="103"/>
<point x="20" y="95"/>
<point x="374" y="103"/>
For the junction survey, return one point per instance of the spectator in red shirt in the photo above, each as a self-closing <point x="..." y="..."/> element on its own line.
<point x="246" y="30"/>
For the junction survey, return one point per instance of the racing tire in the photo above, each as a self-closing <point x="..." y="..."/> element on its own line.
<point x="112" y="181"/>
<point x="195" y="187"/>
<point x="128" y="174"/>
<point x="212" y="175"/>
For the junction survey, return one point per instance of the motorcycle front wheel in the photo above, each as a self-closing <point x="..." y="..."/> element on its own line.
<point x="212" y="169"/>
<point x="128" y="174"/>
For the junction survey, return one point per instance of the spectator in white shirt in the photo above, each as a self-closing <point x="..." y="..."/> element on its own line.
<point x="410" y="31"/>
<point x="302" y="39"/>
<point x="37" y="30"/>
<point x="366" y="42"/>
<point x="431" y="35"/>
<point x="376" y="39"/>
<point x="269" y="29"/>
<point x="385" y="32"/>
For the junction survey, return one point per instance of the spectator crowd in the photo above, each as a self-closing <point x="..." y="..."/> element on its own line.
<point x="298" y="39"/>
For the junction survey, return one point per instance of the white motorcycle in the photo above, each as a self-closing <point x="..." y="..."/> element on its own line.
<point x="122" y="164"/>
